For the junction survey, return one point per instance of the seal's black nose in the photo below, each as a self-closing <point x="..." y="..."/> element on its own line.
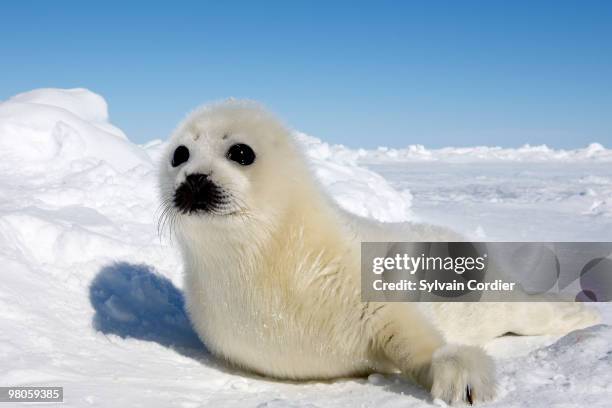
<point x="196" y="181"/>
<point x="198" y="193"/>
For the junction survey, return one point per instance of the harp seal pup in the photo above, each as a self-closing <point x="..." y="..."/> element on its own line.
<point x="272" y="268"/>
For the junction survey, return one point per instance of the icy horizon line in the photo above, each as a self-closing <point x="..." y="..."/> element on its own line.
<point x="93" y="108"/>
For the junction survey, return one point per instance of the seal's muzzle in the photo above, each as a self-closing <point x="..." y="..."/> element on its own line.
<point x="198" y="193"/>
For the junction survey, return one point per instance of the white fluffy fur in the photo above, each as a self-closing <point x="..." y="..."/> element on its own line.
<point x="273" y="281"/>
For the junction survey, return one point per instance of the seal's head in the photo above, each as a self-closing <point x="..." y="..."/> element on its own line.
<point x="229" y="162"/>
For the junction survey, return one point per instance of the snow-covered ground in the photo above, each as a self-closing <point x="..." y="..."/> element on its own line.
<point x="90" y="294"/>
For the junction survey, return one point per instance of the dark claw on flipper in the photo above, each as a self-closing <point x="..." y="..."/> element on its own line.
<point x="468" y="395"/>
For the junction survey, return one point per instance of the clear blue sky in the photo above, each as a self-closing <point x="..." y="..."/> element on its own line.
<point x="359" y="73"/>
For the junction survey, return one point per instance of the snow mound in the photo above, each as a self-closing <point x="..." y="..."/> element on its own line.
<point x="81" y="102"/>
<point x="355" y="188"/>
<point x="51" y="129"/>
<point x="574" y="371"/>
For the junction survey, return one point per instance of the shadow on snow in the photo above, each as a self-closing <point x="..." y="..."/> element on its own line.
<point x="134" y="301"/>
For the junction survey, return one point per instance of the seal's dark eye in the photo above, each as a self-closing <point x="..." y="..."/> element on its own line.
<point x="241" y="153"/>
<point x="181" y="155"/>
